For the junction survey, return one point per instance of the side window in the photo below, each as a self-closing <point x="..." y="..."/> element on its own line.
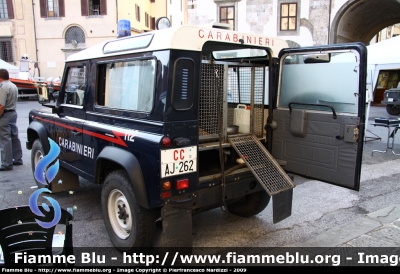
<point x="75" y="86"/>
<point x="128" y="85"/>
<point x="316" y="81"/>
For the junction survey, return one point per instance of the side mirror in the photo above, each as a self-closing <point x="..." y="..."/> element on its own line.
<point x="43" y="94"/>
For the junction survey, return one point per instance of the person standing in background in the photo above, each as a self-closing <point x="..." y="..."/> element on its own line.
<point x="10" y="145"/>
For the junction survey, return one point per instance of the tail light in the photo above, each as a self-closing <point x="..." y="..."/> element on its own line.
<point x="165" y="194"/>
<point x="166" y="141"/>
<point x="182" y="184"/>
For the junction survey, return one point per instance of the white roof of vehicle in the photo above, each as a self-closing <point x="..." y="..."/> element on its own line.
<point x="183" y="37"/>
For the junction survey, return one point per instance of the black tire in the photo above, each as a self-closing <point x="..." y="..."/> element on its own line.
<point x="250" y="205"/>
<point x="37" y="153"/>
<point x="393" y="110"/>
<point x="139" y="227"/>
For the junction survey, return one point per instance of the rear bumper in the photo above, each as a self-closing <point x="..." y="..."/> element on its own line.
<point x="214" y="196"/>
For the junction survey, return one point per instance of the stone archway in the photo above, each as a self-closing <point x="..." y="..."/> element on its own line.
<point x="293" y="44"/>
<point x="360" y="20"/>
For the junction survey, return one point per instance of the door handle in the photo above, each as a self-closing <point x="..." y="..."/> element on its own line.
<point x="76" y="133"/>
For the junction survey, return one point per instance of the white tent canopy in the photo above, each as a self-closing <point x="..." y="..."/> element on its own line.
<point x="384" y="55"/>
<point x="385" y="52"/>
<point x="12" y="70"/>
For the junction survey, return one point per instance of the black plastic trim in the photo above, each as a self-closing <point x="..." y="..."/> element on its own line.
<point x="41" y="133"/>
<point x="132" y="167"/>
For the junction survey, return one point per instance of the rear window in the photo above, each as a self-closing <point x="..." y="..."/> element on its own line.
<point x="321" y="83"/>
<point x="239" y="53"/>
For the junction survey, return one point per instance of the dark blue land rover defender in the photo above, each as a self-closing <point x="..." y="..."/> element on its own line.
<point x="182" y="120"/>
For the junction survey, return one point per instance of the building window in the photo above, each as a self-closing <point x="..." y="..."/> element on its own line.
<point x="6" y="50"/>
<point x="137" y="12"/>
<point x="288" y="16"/>
<point x="6" y="9"/>
<point x="93" y="7"/>
<point x="52" y="8"/>
<point x="153" y="23"/>
<point x="74" y="36"/>
<point x="227" y="15"/>
<point x="146" y="20"/>
<point x="3" y="9"/>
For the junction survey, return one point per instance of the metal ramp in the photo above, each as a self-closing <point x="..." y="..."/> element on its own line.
<point x="261" y="163"/>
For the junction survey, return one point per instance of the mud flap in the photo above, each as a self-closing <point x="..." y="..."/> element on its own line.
<point x="176" y="227"/>
<point x="282" y="205"/>
<point x="65" y="180"/>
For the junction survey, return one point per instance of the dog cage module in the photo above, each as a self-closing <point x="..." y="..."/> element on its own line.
<point x="231" y="93"/>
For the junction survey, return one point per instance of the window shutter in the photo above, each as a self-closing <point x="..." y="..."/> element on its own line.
<point x="61" y="5"/>
<point x="10" y="9"/>
<point x="103" y="7"/>
<point x="43" y="8"/>
<point x="84" y="8"/>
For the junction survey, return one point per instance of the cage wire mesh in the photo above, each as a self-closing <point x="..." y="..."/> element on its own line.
<point x="211" y="92"/>
<point x="245" y="85"/>
<point x="258" y="102"/>
<point x="262" y="164"/>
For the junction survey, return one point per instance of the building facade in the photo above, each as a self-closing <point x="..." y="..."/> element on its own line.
<point x="49" y="31"/>
<point x="301" y="22"/>
<point x="17" y="31"/>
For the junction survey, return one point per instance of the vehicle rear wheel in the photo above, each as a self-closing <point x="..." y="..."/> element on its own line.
<point x="393" y="109"/>
<point x="128" y="224"/>
<point x="250" y="205"/>
<point x="37" y="154"/>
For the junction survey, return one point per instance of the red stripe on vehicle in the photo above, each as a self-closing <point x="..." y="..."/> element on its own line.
<point x="117" y="139"/>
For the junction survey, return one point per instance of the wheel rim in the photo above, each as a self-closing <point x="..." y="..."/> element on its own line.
<point x="119" y="214"/>
<point x="37" y="157"/>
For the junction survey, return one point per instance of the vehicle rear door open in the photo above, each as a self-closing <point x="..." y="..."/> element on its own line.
<point x="317" y="125"/>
